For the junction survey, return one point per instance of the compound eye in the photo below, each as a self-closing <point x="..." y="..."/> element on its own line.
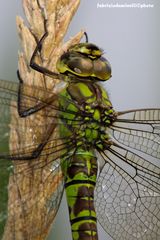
<point x="81" y="66"/>
<point x="102" y="69"/>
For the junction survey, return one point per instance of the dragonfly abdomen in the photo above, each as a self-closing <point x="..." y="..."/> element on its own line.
<point x="80" y="179"/>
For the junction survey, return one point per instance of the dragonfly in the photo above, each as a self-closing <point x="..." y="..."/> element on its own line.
<point x="108" y="160"/>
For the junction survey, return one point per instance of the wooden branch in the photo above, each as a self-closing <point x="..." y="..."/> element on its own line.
<point x="30" y="212"/>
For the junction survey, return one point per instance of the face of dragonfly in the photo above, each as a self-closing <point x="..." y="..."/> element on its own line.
<point x="85" y="60"/>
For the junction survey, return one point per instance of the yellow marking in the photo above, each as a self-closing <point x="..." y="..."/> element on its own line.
<point x="84" y="89"/>
<point x="96" y="115"/>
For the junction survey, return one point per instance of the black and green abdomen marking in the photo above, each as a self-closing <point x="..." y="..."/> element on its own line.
<point x="80" y="180"/>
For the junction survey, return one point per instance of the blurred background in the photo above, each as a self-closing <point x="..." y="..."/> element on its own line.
<point x="130" y="38"/>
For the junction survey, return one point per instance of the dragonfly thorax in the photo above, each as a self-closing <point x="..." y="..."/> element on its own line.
<point x="92" y="134"/>
<point x="89" y="115"/>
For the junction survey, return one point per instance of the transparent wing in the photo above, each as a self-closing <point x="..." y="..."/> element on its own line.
<point x="33" y="203"/>
<point x="34" y="145"/>
<point x="39" y="122"/>
<point x="139" y="129"/>
<point x="127" y="194"/>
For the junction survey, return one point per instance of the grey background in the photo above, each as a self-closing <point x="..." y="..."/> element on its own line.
<point x="130" y="39"/>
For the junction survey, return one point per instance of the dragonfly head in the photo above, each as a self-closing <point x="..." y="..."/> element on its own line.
<point x="85" y="61"/>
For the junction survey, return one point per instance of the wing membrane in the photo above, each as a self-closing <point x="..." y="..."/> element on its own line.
<point x="37" y="129"/>
<point x="127" y="196"/>
<point x="139" y="129"/>
<point x="26" y="99"/>
<point x="34" y="197"/>
<point x="147" y="172"/>
<point x="128" y="188"/>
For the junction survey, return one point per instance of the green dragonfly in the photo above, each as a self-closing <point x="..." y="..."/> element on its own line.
<point x="109" y="160"/>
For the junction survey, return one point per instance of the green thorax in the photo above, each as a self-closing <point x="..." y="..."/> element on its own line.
<point x="87" y="112"/>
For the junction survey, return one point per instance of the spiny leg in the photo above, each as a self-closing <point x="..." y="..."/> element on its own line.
<point x="38" y="48"/>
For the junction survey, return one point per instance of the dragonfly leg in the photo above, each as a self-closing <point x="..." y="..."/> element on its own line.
<point x="38" y="48"/>
<point x="25" y="111"/>
<point x="42" y="69"/>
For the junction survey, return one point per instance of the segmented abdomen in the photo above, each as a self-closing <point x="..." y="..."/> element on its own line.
<point x="80" y="180"/>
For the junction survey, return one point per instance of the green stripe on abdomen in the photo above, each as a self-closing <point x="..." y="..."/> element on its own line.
<point x="80" y="179"/>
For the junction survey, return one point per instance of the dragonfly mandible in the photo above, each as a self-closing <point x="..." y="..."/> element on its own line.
<point x="109" y="160"/>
